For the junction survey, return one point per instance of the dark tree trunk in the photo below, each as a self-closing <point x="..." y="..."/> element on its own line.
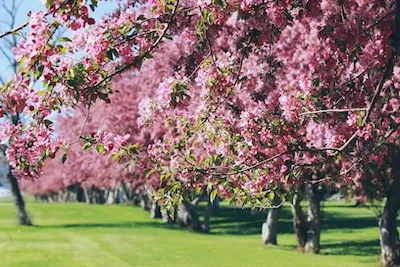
<point x="44" y="198"/>
<point x="155" y="211"/>
<point x="270" y="227"/>
<point x="145" y="200"/>
<point x="166" y="217"/>
<point x="207" y="215"/>
<point x="136" y="196"/>
<point x="389" y="236"/>
<point x="23" y="218"/>
<point x="313" y="220"/>
<point x="216" y="203"/>
<point x="187" y="216"/>
<point x="308" y="231"/>
<point x="299" y="224"/>
<point x="80" y="194"/>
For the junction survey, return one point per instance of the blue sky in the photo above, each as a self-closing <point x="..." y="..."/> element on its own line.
<point x="25" y="7"/>
<point x="35" y="5"/>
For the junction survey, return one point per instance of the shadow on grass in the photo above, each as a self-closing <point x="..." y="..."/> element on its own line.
<point x="130" y="224"/>
<point x="337" y="220"/>
<point x="233" y="221"/>
<point x="355" y="248"/>
<point x="230" y="221"/>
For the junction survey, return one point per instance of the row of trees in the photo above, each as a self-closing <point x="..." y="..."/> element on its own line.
<point x="250" y="100"/>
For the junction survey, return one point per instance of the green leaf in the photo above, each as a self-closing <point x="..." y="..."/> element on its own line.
<point x="210" y="187"/>
<point x="100" y="148"/>
<point x="21" y="61"/>
<point x="93" y="4"/>
<point x="49" y="3"/>
<point x="213" y="195"/>
<point x="198" y="190"/>
<point x="141" y="17"/>
<point x="42" y="92"/>
<point x="316" y="119"/>
<point x="146" y="55"/>
<point x="271" y="196"/>
<point x="64" y="157"/>
<point x="112" y="54"/>
<point x="168" y="36"/>
<point x="64" y="39"/>
<point x="115" y="156"/>
<point x="47" y="123"/>
<point x="87" y="146"/>
<point x="148" y="172"/>
<point x="63" y="50"/>
<point x="39" y="72"/>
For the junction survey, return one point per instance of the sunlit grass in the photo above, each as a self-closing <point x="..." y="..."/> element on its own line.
<point x="94" y="235"/>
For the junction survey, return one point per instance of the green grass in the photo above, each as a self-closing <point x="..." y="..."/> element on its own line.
<point x="94" y="235"/>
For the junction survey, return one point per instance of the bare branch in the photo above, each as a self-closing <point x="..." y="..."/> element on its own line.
<point x="82" y="127"/>
<point x="333" y="111"/>
<point x="15" y="30"/>
<point x="197" y="68"/>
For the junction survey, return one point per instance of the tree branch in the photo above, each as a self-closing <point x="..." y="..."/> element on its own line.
<point x="140" y="57"/>
<point x="333" y="111"/>
<point x="15" y="30"/>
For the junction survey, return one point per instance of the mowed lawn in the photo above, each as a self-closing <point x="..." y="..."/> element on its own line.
<point x="77" y="234"/>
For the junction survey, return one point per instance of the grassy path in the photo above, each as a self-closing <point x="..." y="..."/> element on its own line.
<point x="119" y="236"/>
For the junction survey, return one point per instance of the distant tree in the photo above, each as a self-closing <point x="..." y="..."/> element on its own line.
<point x="10" y="8"/>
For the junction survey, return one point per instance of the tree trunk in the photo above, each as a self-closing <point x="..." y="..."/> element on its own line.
<point x="145" y="200"/>
<point x="155" y="211"/>
<point x="110" y="197"/>
<point x="44" y="198"/>
<point x="270" y="227"/>
<point x="88" y="198"/>
<point x="98" y="196"/>
<point x="299" y="224"/>
<point x="216" y="203"/>
<point x="23" y="218"/>
<point x="125" y="192"/>
<point x="389" y="235"/>
<point x="80" y="194"/>
<point x="314" y="219"/>
<point x="187" y="216"/>
<point x="207" y="215"/>
<point x="166" y="217"/>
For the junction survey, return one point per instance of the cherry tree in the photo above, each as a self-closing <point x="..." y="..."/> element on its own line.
<point x="119" y="116"/>
<point x="11" y="10"/>
<point x="267" y="96"/>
